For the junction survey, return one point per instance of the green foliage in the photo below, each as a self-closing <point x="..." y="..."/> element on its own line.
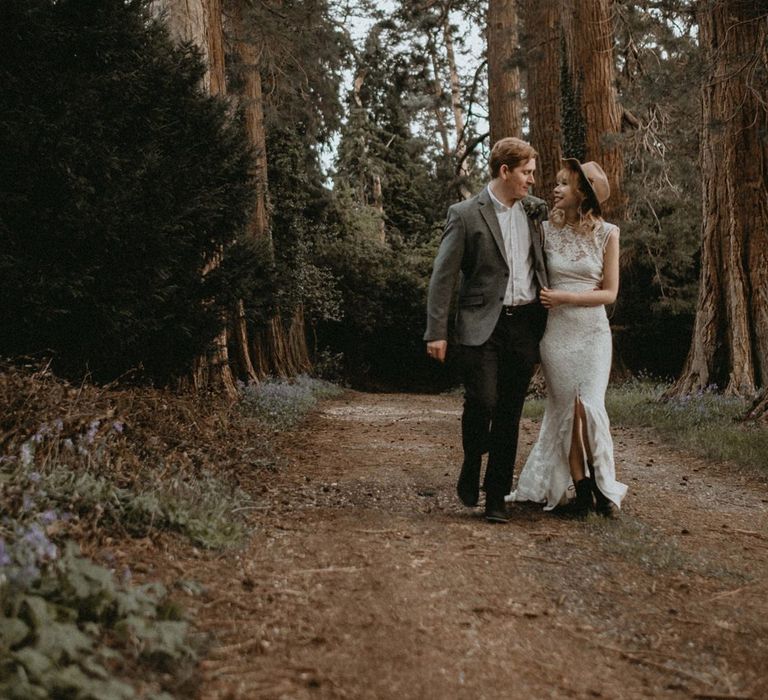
<point x="54" y="628"/>
<point x="201" y="509"/>
<point x="300" y="217"/>
<point x="378" y="144"/>
<point x="120" y="180"/>
<point x="384" y="299"/>
<point x="659" y="67"/>
<point x="303" y="51"/>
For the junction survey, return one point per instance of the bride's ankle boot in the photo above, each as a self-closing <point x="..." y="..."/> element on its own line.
<point x="583" y="502"/>
<point x="604" y="506"/>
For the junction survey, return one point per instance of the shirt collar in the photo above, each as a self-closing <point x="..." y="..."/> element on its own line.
<point x="498" y="205"/>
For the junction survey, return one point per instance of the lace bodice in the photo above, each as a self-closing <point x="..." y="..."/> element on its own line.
<point x="575" y="260"/>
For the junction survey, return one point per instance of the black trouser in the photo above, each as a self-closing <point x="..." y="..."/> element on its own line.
<point x="496" y="378"/>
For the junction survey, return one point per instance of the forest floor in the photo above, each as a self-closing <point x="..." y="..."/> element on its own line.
<point x="366" y="578"/>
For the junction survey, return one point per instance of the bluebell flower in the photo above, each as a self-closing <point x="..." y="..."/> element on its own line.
<point x="48" y="517"/>
<point x="5" y="558"/>
<point x="93" y="428"/>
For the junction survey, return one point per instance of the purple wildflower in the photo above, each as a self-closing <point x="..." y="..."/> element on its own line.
<point x="5" y="558"/>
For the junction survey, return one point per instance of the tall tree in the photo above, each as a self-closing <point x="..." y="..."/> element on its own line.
<point x="592" y="116"/>
<point x="504" y="99"/>
<point x="289" y="60"/>
<point x="730" y="337"/>
<point x="541" y="44"/>
<point x="199" y="22"/>
<point x="257" y="356"/>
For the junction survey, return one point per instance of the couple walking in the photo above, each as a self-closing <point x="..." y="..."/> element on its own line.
<point x="531" y="288"/>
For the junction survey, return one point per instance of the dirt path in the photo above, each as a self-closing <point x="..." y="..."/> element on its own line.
<point x="367" y="579"/>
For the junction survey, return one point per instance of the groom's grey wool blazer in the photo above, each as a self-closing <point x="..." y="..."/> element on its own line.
<point x="473" y="246"/>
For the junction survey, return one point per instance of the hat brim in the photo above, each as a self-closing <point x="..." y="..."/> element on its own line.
<point x="574" y="165"/>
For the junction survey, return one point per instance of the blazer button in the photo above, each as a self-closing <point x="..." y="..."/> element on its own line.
<point x="501" y="298"/>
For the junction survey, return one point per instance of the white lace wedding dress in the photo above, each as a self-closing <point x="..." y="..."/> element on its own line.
<point x="576" y="360"/>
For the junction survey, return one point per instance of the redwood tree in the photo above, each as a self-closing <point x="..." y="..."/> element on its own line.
<point x="591" y="111"/>
<point x="504" y="100"/>
<point x="541" y="44"/>
<point x="730" y="336"/>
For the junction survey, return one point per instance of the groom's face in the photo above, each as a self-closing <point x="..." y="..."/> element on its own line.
<point x="518" y="180"/>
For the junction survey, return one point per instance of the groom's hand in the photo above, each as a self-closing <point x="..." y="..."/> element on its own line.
<point x="436" y="349"/>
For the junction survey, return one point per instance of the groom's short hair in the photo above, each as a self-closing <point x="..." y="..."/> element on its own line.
<point x="510" y="151"/>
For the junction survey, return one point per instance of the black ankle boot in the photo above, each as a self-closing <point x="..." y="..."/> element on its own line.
<point x="603" y="505"/>
<point x="583" y="503"/>
<point x="580" y="506"/>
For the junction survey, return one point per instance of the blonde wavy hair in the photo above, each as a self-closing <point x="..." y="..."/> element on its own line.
<point x="589" y="219"/>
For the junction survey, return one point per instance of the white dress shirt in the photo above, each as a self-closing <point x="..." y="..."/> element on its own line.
<point x="513" y="223"/>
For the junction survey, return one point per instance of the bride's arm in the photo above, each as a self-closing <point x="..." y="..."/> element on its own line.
<point x="597" y="297"/>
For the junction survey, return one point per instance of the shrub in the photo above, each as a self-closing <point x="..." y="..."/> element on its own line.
<point x="120" y="179"/>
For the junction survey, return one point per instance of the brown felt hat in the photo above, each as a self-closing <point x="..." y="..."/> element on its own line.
<point x="593" y="180"/>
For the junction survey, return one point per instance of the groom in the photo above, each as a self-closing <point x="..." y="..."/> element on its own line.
<point x="493" y="244"/>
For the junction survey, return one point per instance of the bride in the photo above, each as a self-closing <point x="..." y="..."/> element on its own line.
<point x="575" y="445"/>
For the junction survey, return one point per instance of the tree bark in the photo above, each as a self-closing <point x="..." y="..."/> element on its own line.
<point x="590" y="100"/>
<point x="504" y="99"/>
<point x="442" y="128"/>
<point x="199" y="22"/>
<point x="458" y="109"/>
<point x="272" y="343"/>
<point x="541" y="44"/>
<point x="730" y="336"/>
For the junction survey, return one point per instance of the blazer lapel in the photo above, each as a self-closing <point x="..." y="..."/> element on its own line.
<point x="489" y="214"/>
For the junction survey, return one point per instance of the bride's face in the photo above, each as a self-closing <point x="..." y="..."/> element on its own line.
<point x="567" y="197"/>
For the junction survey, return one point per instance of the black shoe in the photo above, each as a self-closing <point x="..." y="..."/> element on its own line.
<point x="468" y="488"/>
<point x="496" y="511"/>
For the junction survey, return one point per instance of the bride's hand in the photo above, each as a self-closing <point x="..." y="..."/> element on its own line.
<point x="550" y="298"/>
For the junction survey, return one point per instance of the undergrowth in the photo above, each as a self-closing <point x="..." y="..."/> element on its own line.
<point x="83" y="463"/>
<point x="69" y="629"/>
<point x="283" y="402"/>
<point x="706" y="422"/>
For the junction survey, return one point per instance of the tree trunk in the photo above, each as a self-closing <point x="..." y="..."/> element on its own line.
<point x="458" y="109"/>
<point x="504" y="101"/>
<point x="275" y="342"/>
<point x="542" y="41"/>
<point x="591" y="111"/>
<point x="758" y="411"/>
<point x="730" y="335"/>
<point x="442" y="128"/>
<point x="199" y="22"/>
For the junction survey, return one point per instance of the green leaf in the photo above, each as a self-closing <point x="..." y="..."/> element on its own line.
<point x="12" y="632"/>
<point x="62" y="640"/>
<point x="35" y="663"/>
<point x="71" y="682"/>
<point x="36" y="611"/>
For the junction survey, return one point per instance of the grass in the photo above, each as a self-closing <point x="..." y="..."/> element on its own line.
<point x="706" y="423"/>
<point x="633" y="540"/>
